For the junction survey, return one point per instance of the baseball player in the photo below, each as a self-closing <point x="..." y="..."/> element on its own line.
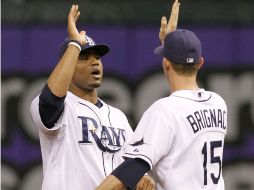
<point x="81" y="136"/>
<point x="180" y="138"/>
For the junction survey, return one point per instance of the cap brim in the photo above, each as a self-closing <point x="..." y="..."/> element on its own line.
<point x="159" y="50"/>
<point x="102" y="49"/>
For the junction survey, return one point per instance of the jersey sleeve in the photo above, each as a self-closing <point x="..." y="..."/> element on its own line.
<point x="50" y="107"/>
<point x="152" y="138"/>
<point x="34" y="110"/>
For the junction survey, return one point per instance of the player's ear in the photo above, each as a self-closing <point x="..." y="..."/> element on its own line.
<point x="201" y="62"/>
<point x="165" y="64"/>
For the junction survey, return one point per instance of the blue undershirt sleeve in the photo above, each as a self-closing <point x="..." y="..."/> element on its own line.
<point x="131" y="171"/>
<point x="50" y="107"/>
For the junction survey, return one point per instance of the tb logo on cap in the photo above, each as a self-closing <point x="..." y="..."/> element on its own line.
<point x="90" y="41"/>
<point x="190" y="60"/>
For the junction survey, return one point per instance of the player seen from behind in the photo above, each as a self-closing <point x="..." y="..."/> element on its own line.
<point x="180" y="138"/>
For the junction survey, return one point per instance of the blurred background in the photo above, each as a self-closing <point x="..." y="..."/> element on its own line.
<point x="31" y="31"/>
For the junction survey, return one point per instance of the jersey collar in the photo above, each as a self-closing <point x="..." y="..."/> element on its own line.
<point x="98" y="104"/>
<point x="198" y="95"/>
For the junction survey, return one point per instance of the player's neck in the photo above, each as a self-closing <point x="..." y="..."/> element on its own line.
<point x="183" y="83"/>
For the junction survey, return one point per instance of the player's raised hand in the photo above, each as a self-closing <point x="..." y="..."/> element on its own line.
<point x="171" y="25"/>
<point x="145" y="183"/>
<point x="173" y="19"/>
<point x="72" y="30"/>
<point x="163" y="29"/>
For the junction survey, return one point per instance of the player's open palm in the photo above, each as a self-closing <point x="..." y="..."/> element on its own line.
<point x="72" y="30"/>
<point x="145" y="183"/>
<point x="171" y="25"/>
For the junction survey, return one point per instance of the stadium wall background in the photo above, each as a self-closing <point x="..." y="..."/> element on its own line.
<point x="133" y="80"/>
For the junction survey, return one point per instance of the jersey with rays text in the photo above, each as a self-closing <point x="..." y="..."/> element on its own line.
<point x="181" y="137"/>
<point x="84" y="146"/>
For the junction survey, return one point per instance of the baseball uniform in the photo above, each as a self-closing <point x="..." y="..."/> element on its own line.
<point x="84" y="145"/>
<point x="183" y="144"/>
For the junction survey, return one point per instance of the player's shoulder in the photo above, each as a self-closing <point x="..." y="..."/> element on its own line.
<point x="164" y="102"/>
<point x="215" y="94"/>
<point x="35" y="102"/>
<point x="159" y="104"/>
<point x="216" y="97"/>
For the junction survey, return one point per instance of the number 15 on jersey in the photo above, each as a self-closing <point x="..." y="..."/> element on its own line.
<point x="210" y="157"/>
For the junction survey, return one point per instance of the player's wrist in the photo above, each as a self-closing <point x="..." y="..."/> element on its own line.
<point x="75" y="43"/>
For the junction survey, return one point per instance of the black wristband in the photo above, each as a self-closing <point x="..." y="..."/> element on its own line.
<point x="131" y="171"/>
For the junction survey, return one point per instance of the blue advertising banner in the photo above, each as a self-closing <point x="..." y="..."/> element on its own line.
<point x="133" y="80"/>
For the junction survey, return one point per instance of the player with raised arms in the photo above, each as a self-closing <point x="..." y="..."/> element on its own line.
<point x="81" y="136"/>
<point x="180" y="138"/>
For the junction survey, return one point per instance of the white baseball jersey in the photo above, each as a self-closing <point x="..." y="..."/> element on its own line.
<point x="83" y="147"/>
<point x="182" y="138"/>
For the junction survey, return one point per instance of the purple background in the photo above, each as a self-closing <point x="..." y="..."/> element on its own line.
<point x="33" y="51"/>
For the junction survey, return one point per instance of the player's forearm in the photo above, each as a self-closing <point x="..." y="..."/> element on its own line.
<point x="128" y="175"/>
<point x="60" y="79"/>
<point x="111" y="183"/>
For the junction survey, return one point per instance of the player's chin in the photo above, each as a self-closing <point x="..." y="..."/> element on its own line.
<point x="95" y="84"/>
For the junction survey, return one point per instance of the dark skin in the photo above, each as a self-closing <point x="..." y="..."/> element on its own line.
<point x="87" y="76"/>
<point x="80" y="73"/>
<point x="61" y="77"/>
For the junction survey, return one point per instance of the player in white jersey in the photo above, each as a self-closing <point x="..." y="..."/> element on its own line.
<point x="81" y="136"/>
<point x="180" y="138"/>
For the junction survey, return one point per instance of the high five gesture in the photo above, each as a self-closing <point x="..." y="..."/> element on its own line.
<point x="171" y="25"/>
<point x="72" y="30"/>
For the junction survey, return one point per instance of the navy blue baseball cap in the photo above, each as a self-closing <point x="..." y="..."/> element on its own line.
<point x="102" y="49"/>
<point x="181" y="47"/>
